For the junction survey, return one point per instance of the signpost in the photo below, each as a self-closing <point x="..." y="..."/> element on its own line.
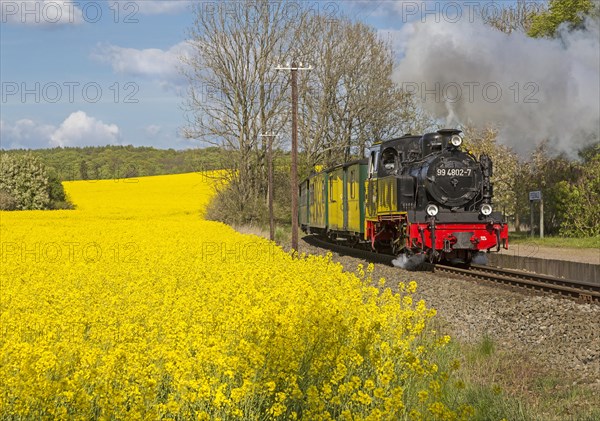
<point x="536" y="196"/>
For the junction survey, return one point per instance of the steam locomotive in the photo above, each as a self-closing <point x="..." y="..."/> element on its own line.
<point x="417" y="197"/>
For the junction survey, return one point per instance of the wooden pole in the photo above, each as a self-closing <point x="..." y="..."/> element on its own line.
<point x="270" y="185"/>
<point x="294" y="172"/>
<point x="271" y="218"/>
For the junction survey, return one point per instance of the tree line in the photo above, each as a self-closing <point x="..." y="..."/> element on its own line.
<point x="113" y="162"/>
<point x="31" y="179"/>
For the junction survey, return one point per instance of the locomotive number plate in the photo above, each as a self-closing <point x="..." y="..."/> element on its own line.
<point x="454" y="172"/>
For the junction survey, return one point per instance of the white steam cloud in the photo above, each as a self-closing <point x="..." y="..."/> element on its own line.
<point x="411" y="263"/>
<point x="531" y="89"/>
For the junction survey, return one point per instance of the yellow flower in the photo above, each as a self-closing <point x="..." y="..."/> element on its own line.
<point x="271" y="386"/>
<point x="135" y="307"/>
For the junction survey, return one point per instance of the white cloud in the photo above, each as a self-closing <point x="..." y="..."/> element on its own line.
<point x="79" y="129"/>
<point x="41" y="12"/>
<point x="154" y="63"/>
<point x="25" y="134"/>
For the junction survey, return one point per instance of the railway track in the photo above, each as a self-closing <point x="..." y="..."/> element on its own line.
<point x="580" y="290"/>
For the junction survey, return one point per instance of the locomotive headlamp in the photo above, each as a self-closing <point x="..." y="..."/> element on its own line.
<point x="432" y="210"/>
<point x="456" y="140"/>
<point x="486" y="209"/>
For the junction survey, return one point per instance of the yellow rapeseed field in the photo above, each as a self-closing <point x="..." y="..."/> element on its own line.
<point x="134" y="307"/>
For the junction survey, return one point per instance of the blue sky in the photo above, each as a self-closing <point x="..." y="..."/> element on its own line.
<point x="105" y="72"/>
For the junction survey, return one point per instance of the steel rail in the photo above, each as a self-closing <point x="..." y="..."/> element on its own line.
<point x="584" y="291"/>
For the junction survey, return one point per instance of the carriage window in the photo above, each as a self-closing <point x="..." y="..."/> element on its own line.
<point x="388" y="159"/>
<point x="352" y="184"/>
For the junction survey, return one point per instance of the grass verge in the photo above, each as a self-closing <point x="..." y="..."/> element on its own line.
<point x="566" y="242"/>
<point x="504" y="385"/>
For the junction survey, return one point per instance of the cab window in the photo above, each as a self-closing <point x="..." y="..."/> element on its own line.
<point x="373" y="158"/>
<point x="389" y="160"/>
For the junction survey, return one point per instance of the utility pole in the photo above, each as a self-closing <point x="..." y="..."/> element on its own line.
<point x="293" y="68"/>
<point x="270" y="136"/>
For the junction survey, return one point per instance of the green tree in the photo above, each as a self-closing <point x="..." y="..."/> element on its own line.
<point x="24" y="179"/>
<point x="546" y="172"/>
<point x="514" y="17"/>
<point x="83" y="169"/>
<point x="56" y="192"/>
<point x="580" y="200"/>
<point x="546" y="23"/>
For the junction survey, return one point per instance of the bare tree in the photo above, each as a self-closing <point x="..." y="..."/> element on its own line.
<point x="349" y="100"/>
<point x="515" y="17"/>
<point x="234" y="93"/>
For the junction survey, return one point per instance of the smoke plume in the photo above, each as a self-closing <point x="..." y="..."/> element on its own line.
<point x="530" y="89"/>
